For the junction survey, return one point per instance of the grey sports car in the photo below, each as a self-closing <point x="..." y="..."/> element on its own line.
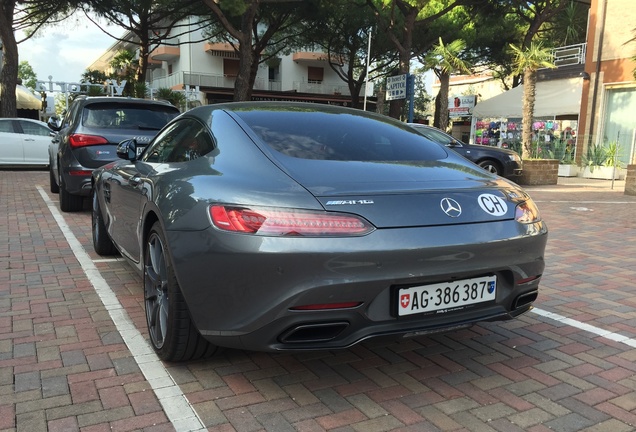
<point x="289" y="226"/>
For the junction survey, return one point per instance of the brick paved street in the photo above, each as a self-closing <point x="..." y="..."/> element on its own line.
<point x="73" y="354"/>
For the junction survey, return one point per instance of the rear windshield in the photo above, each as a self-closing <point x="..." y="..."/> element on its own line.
<point x="340" y="135"/>
<point x="129" y="116"/>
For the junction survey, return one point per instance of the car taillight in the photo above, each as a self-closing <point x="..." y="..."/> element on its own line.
<point x="287" y="222"/>
<point x="81" y="140"/>
<point x="527" y="212"/>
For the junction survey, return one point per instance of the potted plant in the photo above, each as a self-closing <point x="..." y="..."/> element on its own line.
<point x="565" y="154"/>
<point x="601" y="162"/>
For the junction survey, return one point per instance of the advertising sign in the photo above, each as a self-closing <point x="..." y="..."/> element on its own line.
<point x="461" y="106"/>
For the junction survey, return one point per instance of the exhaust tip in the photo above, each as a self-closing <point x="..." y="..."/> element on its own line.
<point x="320" y="332"/>
<point x="525" y="299"/>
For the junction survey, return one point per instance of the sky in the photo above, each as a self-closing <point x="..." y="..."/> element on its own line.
<point x="66" y="50"/>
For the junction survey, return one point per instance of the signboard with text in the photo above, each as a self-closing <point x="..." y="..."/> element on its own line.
<point x="461" y="106"/>
<point x="396" y="87"/>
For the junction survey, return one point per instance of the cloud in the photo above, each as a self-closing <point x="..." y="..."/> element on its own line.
<point x="64" y="52"/>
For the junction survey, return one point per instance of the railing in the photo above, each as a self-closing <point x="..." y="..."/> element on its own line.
<point x="569" y="55"/>
<point x="218" y="80"/>
<point x="322" y="88"/>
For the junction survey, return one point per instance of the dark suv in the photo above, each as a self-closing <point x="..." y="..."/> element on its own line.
<point x="88" y="138"/>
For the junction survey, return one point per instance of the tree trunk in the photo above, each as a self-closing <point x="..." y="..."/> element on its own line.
<point x="242" y="87"/>
<point x="529" y="88"/>
<point x="441" y="103"/>
<point x="9" y="66"/>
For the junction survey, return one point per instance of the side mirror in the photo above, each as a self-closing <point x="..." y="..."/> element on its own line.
<point x="53" y="123"/>
<point x="127" y="149"/>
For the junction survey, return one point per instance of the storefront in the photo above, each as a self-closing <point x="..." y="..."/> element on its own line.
<point x="497" y="121"/>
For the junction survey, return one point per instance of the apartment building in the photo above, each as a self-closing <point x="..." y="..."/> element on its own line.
<point x="211" y="68"/>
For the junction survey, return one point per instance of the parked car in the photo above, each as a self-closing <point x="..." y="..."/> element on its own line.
<point x="500" y="161"/>
<point x="88" y="138"/>
<point x="24" y="142"/>
<point x="290" y="226"/>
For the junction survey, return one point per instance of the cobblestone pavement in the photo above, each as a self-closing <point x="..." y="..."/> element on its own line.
<point x="74" y="358"/>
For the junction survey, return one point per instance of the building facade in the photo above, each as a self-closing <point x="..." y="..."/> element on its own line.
<point x="188" y="62"/>
<point x="608" y="101"/>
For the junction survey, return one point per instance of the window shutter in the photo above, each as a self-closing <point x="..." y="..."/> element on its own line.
<point x="230" y="67"/>
<point x="315" y="73"/>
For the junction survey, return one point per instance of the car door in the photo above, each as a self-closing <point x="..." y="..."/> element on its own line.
<point x="129" y="188"/>
<point x="35" y="142"/>
<point x="11" y="152"/>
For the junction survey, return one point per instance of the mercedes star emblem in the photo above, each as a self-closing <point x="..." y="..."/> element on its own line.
<point x="451" y="207"/>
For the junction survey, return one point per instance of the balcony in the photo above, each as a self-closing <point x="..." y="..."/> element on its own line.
<point x="153" y="64"/>
<point x="325" y="88"/>
<point x="220" y="49"/>
<point x="165" y="53"/>
<point x="569" y="61"/>
<point x="569" y="55"/>
<point x="180" y="79"/>
<point x="310" y="58"/>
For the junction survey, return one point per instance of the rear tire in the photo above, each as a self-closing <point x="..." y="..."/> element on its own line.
<point x="172" y="332"/>
<point x="102" y="243"/>
<point x="68" y="201"/>
<point x="491" y="166"/>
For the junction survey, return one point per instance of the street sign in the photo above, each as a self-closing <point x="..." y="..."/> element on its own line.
<point x="396" y="87"/>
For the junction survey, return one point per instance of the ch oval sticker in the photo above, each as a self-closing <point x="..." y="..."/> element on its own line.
<point x="492" y="204"/>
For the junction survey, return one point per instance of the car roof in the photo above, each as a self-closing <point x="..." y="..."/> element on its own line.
<point x="86" y="100"/>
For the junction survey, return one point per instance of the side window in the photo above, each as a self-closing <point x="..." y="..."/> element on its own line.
<point x="6" y="126"/>
<point x="70" y="115"/>
<point x="31" y="128"/>
<point x="183" y="141"/>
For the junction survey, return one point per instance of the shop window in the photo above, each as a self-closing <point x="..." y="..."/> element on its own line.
<point x="619" y="123"/>
<point x="230" y="67"/>
<point x="315" y="75"/>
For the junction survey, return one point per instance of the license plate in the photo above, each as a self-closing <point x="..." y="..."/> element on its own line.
<point x="446" y="296"/>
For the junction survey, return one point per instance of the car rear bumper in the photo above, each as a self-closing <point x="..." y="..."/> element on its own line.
<point x="77" y="184"/>
<point x="242" y="291"/>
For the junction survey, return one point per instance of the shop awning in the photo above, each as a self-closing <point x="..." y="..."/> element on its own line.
<point x="553" y="98"/>
<point x="25" y="99"/>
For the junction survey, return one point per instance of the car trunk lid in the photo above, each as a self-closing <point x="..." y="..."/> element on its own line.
<point x="391" y="195"/>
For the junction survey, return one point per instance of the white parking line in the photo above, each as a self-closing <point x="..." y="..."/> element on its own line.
<point x="175" y="404"/>
<point x="589" y="328"/>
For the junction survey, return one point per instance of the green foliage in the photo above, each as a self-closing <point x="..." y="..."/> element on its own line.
<point x="612" y="151"/>
<point x="94" y="76"/>
<point x="27" y="74"/>
<point x="569" y="26"/>
<point x="177" y="99"/>
<point x="602" y="155"/>
<point x="596" y="155"/>
<point x="140" y="90"/>
<point x="563" y="152"/>
<point x="534" y="57"/>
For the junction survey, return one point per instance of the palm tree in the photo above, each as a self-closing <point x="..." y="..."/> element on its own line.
<point x="445" y="60"/>
<point x="527" y="62"/>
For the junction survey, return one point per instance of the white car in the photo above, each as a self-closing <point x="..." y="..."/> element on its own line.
<point x="24" y="142"/>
